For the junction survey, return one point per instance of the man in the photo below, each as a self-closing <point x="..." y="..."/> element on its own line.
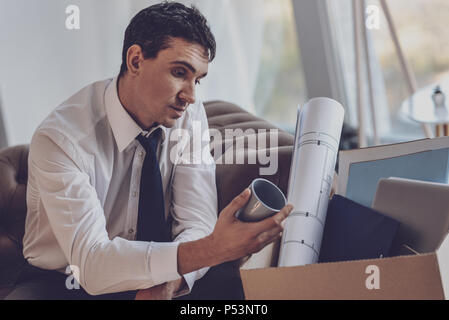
<point x="104" y="185"/>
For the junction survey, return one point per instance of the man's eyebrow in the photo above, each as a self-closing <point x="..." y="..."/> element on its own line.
<point x="188" y="66"/>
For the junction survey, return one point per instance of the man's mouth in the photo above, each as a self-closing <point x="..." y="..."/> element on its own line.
<point x="179" y="111"/>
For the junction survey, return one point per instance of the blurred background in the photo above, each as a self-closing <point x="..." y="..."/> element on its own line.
<point x="273" y="55"/>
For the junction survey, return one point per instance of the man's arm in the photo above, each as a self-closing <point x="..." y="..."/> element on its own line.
<point x="77" y="220"/>
<point x="194" y="192"/>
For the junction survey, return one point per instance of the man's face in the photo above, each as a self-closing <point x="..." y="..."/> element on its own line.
<point x="165" y="85"/>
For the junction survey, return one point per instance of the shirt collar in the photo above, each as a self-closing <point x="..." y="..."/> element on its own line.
<point x="124" y="128"/>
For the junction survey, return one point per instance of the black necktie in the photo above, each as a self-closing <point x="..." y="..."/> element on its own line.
<point x="151" y="224"/>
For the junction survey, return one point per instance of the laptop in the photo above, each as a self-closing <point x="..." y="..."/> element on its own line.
<point x="422" y="208"/>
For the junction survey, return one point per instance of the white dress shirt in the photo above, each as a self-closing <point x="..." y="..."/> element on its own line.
<point x="83" y="194"/>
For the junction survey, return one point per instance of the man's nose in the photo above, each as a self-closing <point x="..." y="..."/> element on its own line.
<point x="187" y="94"/>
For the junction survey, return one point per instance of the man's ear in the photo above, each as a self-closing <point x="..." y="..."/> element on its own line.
<point x="134" y="58"/>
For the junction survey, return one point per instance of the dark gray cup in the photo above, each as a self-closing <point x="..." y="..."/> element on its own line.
<point x="266" y="200"/>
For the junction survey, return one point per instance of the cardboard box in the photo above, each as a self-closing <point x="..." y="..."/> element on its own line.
<point x="423" y="276"/>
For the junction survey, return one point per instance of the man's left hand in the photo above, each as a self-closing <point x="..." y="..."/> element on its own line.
<point x="163" y="291"/>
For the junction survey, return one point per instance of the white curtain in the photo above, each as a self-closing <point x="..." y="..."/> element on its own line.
<point x="42" y="62"/>
<point x="238" y="27"/>
<point x="342" y="21"/>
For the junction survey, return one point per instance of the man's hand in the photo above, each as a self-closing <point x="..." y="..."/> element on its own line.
<point x="163" y="291"/>
<point x="235" y="239"/>
<point x="231" y="239"/>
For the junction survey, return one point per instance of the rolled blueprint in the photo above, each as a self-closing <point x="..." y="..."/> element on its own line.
<point x="317" y="138"/>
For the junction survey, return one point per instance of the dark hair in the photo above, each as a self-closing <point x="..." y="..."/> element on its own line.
<point x="153" y="27"/>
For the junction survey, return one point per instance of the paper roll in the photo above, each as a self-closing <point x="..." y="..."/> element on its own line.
<point x="317" y="138"/>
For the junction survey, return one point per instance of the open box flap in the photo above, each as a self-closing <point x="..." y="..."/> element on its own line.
<point x="443" y="262"/>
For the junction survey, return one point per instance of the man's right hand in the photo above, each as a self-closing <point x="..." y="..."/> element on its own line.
<point x="234" y="239"/>
<point x="231" y="239"/>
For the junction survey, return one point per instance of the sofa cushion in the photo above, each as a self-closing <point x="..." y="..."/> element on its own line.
<point x="13" y="173"/>
<point x="224" y="115"/>
<point x="233" y="178"/>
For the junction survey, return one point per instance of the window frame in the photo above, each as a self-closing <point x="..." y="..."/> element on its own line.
<point x="3" y="136"/>
<point x="320" y="58"/>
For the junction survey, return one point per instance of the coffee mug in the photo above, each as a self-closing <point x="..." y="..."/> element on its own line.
<point x="266" y="200"/>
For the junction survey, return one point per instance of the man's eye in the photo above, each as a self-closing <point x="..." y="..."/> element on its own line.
<point x="179" y="72"/>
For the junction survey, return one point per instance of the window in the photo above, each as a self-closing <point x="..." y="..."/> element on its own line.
<point x="280" y="85"/>
<point x="422" y="30"/>
<point x="424" y="36"/>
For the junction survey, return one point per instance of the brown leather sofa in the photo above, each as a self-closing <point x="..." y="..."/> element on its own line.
<point x="231" y="180"/>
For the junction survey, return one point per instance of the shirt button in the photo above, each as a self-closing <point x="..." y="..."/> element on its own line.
<point x="141" y="154"/>
<point x="135" y="194"/>
<point x="131" y="231"/>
